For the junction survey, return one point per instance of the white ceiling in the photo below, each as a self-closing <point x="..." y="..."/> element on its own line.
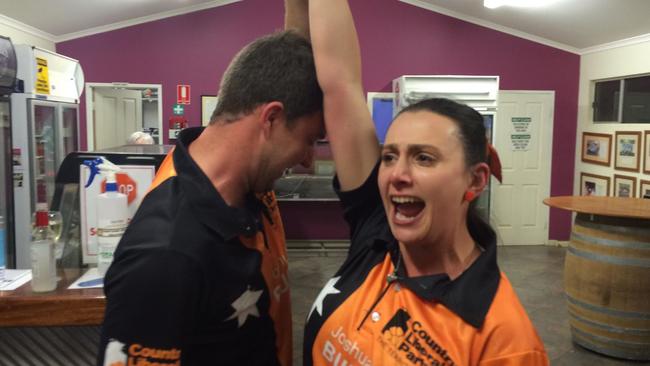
<point x="59" y="20"/>
<point x="578" y="26"/>
<point x="574" y="25"/>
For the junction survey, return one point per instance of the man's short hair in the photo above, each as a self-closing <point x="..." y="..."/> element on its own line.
<point x="140" y="138"/>
<point x="278" y="67"/>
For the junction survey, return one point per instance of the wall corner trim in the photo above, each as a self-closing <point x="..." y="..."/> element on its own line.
<point x="494" y="26"/>
<point x="13" y="23"/>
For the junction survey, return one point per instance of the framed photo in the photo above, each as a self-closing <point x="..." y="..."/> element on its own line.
<point x="596" y="148"/>
<point x="624" y="186"/>
<point x="594" y="185"/>
<point x="644" y="190"/>
<point x="646" y="154"/>
<point x="208" y="104"/>
<point x="628" y="150"/>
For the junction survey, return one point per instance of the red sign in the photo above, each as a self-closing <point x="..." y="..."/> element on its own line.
<point x="182" y="94"/>
<point x="125" y="185"/>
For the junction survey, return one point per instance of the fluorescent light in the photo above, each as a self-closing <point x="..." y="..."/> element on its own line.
<point x="493" y="4"/>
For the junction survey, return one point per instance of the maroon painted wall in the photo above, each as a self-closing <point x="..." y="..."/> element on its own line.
<point x="396" y="39"/>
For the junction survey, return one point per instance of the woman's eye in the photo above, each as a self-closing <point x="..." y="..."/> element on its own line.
<point x="424" y="158"/>
<point x="388" y="157"/>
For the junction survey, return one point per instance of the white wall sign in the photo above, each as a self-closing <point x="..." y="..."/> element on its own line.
<point x="133" y="180"/>
<point x="521" y="124"/>
<point x="520" y="135"/>
<point x="520" y="141"/>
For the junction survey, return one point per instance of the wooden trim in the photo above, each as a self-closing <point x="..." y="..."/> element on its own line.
<point x="646" y="154"/>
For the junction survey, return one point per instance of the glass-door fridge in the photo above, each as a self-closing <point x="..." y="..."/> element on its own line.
<point x="45" y="129"/>
<point x="40" y="145"/>
<point x="6" y="192"/>
<point x="53" y="136"/>
<point x="8" y="81"/>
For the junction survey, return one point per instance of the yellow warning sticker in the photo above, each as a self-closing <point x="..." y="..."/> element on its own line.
<point x="42" y="77"/>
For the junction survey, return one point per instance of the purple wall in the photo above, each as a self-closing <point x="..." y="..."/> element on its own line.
<point x="396" y="39"/>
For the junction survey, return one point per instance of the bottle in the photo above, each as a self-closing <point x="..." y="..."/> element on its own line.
<point x="42" y="253"/>
<point x="54" y="220"/>
<point x="112" y="212"/>
<point x="3" y="249"/>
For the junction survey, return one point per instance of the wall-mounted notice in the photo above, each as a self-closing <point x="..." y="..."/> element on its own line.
<point x="520" y="135"/>
<point x="42" y="77"/>
<point x="520" y="141"/>
<point x="521" y="124"/>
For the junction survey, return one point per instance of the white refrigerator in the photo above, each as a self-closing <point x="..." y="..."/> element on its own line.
<point x="45" y="121"/>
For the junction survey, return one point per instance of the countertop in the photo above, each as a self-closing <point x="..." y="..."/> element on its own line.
<point x="305" y="187"/>
<point x="607" y="206"/>
<point x="61" y="307"/>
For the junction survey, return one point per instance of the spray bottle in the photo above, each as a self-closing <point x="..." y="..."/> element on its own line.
<point x="112" y="211"/>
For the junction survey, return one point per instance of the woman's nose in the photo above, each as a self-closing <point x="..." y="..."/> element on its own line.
<point x="401" y="173"/>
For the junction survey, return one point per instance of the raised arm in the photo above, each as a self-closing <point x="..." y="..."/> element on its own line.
<point x="296" y="16"/>
<point x="350" y="129"/>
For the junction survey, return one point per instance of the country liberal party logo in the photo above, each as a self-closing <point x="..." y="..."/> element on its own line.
<point x="412" y="343"/>
<point x="117" y="354"/>
<point x="396" y="328"/>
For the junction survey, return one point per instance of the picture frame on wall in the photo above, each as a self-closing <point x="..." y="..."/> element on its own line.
<point x="596" y="148"/>
<point x="208" y="104"/>
<point x="644" y="189"/>
<point x="594" y="185"/>
<point x="624" y="186"/>
<point x="646" y="154"/>
<point x="628" y="151"/>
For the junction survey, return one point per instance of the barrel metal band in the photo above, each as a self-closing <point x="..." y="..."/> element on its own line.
<point x="639" y="229"/>
<point x="581" y="337"/>
<point x="609" y="328"/>
<point x="645" y="263"/>
<point x="606" y="311"/>
<point x="609" y="242"/>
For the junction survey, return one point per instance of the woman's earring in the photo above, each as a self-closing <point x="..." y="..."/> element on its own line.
<point x="469" y="196"/>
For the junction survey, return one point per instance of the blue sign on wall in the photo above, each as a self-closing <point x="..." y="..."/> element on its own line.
<point x="382" y="115"/>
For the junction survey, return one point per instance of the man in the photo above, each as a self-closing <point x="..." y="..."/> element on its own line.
<point x="200" y="276"/>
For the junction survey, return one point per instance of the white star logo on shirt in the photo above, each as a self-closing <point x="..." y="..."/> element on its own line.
<point x="329" y="289"/>
<point x="246" y="305"/>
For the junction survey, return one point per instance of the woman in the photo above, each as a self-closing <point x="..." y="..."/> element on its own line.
<point x="421" y="284"/>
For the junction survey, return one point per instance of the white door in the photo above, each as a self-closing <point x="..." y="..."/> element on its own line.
<point x="118" y="113"/>
<point x="523" y="136"/>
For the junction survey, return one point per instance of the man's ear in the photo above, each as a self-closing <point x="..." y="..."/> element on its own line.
<point x="271" y="115"/>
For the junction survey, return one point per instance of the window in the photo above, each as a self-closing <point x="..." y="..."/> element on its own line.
<point x="625" y="100"/>
<point x="606" y="100"/>
<point x="636" y="100"/>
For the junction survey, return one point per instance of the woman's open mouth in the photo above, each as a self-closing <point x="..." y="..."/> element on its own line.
<point x="407" y="209"/>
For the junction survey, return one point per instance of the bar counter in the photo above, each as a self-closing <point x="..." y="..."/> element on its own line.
<point x="62" y="307"/>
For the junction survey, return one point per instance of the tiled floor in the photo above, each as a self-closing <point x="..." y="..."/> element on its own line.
<point x="535" y="273"/>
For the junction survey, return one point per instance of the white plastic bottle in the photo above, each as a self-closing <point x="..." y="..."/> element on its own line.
<point x="112" y="215"/>
<point x="42" y="253"/>
<point x="3" y="249"/>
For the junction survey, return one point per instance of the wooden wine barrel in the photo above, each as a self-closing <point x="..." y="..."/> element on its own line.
<point x="607" y="285"/>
